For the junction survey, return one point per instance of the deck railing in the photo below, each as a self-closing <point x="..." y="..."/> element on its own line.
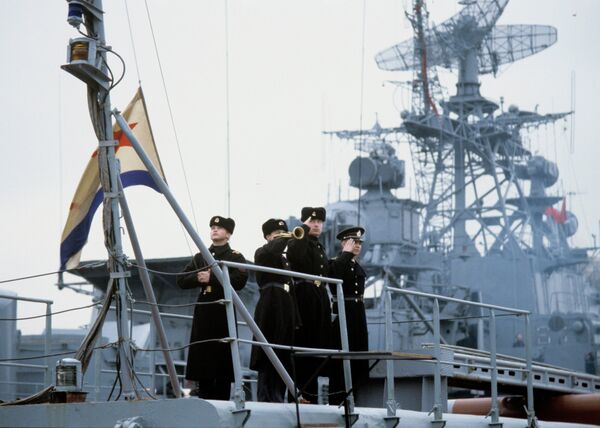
<point x="47" y="338"/>
<point x="437" y="344"/>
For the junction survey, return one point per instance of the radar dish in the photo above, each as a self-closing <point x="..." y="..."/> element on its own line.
<point x="510" y="43"/>
<point x="473" y="28"/>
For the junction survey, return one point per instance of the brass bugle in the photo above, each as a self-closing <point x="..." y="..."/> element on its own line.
<point x="296" y="233"/>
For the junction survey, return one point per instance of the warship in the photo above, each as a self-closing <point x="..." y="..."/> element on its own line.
<point x="480" y="311"/>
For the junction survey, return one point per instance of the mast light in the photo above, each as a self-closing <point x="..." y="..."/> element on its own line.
<point x="75" y="15"/>
<point x="81" y="62"/>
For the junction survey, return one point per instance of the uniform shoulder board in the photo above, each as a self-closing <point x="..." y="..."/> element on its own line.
<point x="235" y="252"/>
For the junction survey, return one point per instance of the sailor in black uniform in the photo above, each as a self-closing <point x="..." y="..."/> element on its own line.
<point x="209" y="364"/>
<point x="307" y="255"/>
<point x="345" y="267"/>
<point x="275" y="312"/>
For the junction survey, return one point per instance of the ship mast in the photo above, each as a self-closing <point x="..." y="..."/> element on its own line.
<point x="87" y="61"/>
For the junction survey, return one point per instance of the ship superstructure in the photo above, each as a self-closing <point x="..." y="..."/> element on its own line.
<point x="487" y="224"/>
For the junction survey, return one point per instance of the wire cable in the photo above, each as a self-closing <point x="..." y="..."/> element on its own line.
<point x="22" y="278"/>
<point x="227" y="107"/>
<point x="129" y="263"/>
<point x="179" y="348"/>
<point x="56" y="354"/>
<point x="114" y="84"/>
<point x="182" y="305"/>
<point x="164" y="84"/>
<point x="135" y="60"/>
<point x="362" y="91"/>
<point x="48" y="315"/>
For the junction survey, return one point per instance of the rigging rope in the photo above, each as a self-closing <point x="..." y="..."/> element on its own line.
<point x="164" y="84"/>
<point x="137" y="67"/>
<point x="362" y="91"/>
<point x="50" y="314"/>
<point x="227" y="106"/>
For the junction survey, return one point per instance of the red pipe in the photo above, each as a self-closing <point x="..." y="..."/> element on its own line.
<point x="576" y="408"/>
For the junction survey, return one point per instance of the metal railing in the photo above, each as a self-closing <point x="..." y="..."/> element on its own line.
<point x="228" y="292"/>
<point x="281" y="370"/>
<point x="47" y="338"/>
<point x="437" y="345"/>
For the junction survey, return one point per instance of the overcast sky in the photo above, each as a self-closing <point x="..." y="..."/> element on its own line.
<point x="295" y="70"/>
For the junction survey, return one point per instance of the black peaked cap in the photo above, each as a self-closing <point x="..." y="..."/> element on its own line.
<point x="356" y="233"/>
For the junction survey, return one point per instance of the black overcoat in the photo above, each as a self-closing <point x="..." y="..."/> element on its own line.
<point x="211" y="359"/>
<point x="347" y="269"/>
<point x="275" y="312"/>
<point x="307" y="255"/>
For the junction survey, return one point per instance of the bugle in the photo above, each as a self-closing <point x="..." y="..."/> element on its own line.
<point x="296" y="233"/>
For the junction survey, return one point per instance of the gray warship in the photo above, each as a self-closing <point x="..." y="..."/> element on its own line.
<point x="473" y="288"/>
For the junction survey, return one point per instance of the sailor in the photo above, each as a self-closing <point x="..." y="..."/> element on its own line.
<point x="345" y="267"/>
<point x="307" y="255"/>
<point x="209" y="363"/>
<point x="275" y="312"/>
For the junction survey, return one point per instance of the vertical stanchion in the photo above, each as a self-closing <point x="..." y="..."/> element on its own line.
<point x="152" y="340"/>
<point x="238" y="395"/>
<point x="345" y="346"/>
<point x="494" y="414"/>
<point x="97" y="374"/>
<point x="437" y="374"/>
<point x="530" y="409"/>
<point x="48" y="344"/>
<point x="391" y="403"/>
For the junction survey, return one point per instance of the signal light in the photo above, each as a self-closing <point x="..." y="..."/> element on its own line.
<point x="75" y="15"/>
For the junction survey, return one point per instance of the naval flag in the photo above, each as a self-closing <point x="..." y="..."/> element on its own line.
<point x="89" y="194"/>
<point x="560" y="217"/>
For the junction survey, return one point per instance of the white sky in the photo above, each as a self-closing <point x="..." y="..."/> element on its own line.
<point x="295" y="70"/>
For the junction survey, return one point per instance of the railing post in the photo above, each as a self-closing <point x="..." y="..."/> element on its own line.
<point x="391" y="403"/>
<point x="152" y="340"/>
<point x="48" y="344"/>
<point x="97" y="374"/>
<point x="494" y="413"/>
<point x="530" y="410"/>
<point x="238" y="394"/>
<point x="437" y="374"/>
<point x="345" y="346"/>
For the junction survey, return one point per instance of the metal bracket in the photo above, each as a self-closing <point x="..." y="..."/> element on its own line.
<point x="352" y="418"/>
<point x="241" y="416"/>
<point x="108" y="143"/>
<point x="495" y="424"/>
<point x="133" y="422"/>
<point x="117" y="275"/>
<point x="438" y="423"/>
<point x="112" y="195"/>
<point x="532" y="421"/>
<point x="391" y="421"/>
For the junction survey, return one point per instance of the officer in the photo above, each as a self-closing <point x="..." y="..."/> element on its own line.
<point x="275" y="312"/>
<point x="209" y="363"/>
<point x="345" y="267"/>
<point x="307" y="255"/>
